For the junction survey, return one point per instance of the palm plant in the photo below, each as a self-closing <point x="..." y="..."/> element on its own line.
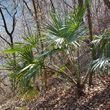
<point x="102" y="50"/>
<point x="27" y="68"/>
<point x="63" y="34"/>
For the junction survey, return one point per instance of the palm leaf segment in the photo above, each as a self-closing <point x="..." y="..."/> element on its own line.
<point x="102" y="44"/>
<point x="26" y="66"/>
<point x="65" y="29"/>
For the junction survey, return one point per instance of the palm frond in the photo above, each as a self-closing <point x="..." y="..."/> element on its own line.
<point x="65" y="29"/>
<point x="101" y="64"/>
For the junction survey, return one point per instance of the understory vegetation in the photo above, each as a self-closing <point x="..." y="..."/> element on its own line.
<point x="64" y="46"/>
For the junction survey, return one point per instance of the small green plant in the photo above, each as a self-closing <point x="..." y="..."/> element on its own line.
<point x="63" y="34"/>
<point x="24" y="73"/>
<point x="102" y="53"/>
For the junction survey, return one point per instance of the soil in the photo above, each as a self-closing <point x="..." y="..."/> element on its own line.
<point x="63" y="97"/>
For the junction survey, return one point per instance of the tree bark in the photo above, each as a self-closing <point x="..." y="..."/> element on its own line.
<point x="36" y="16"/>
<point x="107" y="3"/>
<point x="52" y="6"/>
<point x="10" y="34"/>
<point x="91" y="38"/>
<point x="80" y="2"/>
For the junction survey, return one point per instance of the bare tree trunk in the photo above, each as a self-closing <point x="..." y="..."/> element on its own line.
<point x="25" y="21"/>
<point x="74" y="5"/>
<point x="80" y="2"/>
<point x="107" y="2"/>
<point x="38" y="24"/>
<point x="91" y="38"/>
<point x="52" y="6"/>
<point x="36" y="16"/>
<point x="10" y="34"/>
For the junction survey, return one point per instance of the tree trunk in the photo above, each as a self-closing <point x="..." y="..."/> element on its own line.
<point x="52" y="6"/>
<point x="107" y="2"/>
<point x="79" y="90"/>
<point x="78" y="52"/>
<point x="36" y="16"/>
<point x="80" y="2"/>
<point x="91" y="38"/>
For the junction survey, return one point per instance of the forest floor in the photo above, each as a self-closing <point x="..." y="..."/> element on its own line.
<point x="63" y="97"/>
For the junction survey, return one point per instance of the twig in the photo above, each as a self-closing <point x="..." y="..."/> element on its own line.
<point x="67" y="4"/>
<point x="5" y="40"/>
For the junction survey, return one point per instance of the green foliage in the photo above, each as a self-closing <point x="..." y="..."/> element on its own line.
<point x="63" y="34"/>
<point x="24" y="73"/>
<point x="102" y="53"/>
<point x="66" y="33"/>
<point x="65" y="29"/>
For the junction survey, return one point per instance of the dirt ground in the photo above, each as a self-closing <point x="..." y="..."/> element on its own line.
<point x="63" y="97"/>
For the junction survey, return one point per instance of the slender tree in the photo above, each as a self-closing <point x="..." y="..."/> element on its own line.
<point x="91" y="38"/>
<point x="80" y="2"/>
<point x="52" y="6"/>
<point x="10" y="34"/>
<point x="107" y="3"/>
